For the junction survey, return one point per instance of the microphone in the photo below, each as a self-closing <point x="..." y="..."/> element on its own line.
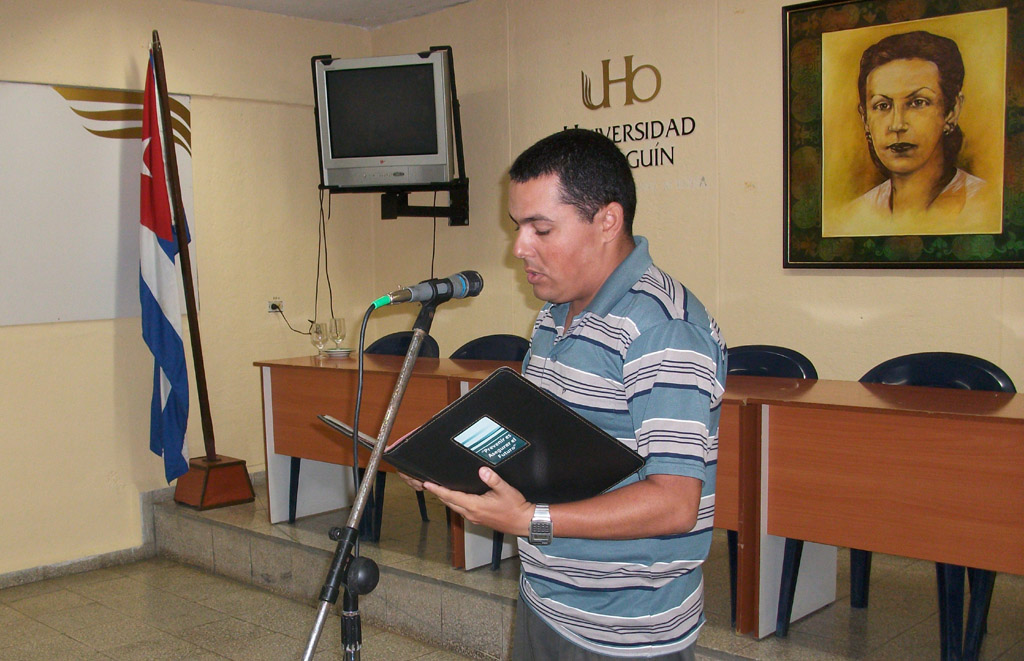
<point x="436" y="290"/>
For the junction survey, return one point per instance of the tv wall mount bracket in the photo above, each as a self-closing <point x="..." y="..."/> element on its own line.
<point x="394" y="200"/>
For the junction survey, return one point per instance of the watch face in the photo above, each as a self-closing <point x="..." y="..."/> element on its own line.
<point x="540" y="526"/>
<point x="539" y="538"/>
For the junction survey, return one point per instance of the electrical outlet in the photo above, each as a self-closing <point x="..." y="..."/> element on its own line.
<point x="275" y="305"/>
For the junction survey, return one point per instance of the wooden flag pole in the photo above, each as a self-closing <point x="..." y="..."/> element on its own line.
<point x="214" y="480"/>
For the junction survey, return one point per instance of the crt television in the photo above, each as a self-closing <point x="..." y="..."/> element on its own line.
<point x="384" y="122"/>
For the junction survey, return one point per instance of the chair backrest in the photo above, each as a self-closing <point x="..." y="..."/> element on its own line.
<point x="500" y="346"/>
<point x="397" y="344"/>
<point x="940" y="369"/>
<point x="770" y="360"/>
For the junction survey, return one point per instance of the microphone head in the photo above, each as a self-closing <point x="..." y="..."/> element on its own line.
<point x="466" y="283"/>
<point x="439" y="290"/>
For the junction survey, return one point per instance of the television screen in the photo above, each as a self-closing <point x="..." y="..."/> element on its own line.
<point x="385" y="111"/>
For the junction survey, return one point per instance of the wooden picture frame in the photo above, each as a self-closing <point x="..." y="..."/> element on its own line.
<point x="877" y="172"/>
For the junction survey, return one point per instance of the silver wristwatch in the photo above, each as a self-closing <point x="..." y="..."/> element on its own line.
<point x="540" y="525"/>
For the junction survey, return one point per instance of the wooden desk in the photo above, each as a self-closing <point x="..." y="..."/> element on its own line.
<point x="919" y="472"/>
<point x="296" y="390"/>
<point x="926" y="473"/>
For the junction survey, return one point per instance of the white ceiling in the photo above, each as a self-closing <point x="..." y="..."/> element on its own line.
<point x="360" y="13"/>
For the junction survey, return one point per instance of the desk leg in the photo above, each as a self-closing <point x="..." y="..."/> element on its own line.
<point x="293" y="488"/>
<point x="748" y="537"/>
<point x="951" y="610"/>
<point x="732" y="541"/>
<point x="787" y="585"/>
<point x="458" y="536"/>
<point x="982" y="582"/>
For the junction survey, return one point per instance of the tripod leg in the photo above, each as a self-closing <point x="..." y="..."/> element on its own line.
<point x="351" y="629"/>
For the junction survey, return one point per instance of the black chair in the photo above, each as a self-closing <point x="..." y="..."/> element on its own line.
<point x="500" y="346"/>
<point x="763" y="360"/>
<point x="397" y="344"/>
<point x="938" y="370"/>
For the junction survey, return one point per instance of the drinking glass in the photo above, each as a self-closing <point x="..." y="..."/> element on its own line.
<point x="336" y="331"/>
<point x="318" y="335"/>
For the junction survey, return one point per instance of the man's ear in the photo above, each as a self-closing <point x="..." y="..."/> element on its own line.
<point x="612" y="219"/>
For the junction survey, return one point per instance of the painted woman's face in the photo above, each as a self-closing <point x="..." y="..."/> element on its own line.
<point x="904" y="115"/>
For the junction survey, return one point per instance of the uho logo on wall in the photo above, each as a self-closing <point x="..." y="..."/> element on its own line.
<point x="628" y="79"/>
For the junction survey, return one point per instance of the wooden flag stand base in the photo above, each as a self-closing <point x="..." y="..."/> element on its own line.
<point x="214" y="483"/>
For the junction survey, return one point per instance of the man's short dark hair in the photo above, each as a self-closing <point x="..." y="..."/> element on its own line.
<point x="592" y="170"/>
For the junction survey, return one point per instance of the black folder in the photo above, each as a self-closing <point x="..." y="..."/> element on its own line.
<point x="547" y="451"/>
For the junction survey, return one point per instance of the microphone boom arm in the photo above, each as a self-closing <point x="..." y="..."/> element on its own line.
<point x="343" y="556"/>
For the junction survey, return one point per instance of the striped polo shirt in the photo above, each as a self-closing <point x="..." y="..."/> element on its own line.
<point x="645" y="362"/>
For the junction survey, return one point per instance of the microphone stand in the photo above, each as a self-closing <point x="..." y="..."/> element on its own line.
<point x="359" y="575"/>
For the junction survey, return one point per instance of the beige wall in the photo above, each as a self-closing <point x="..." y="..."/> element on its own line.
<point x="75" y="396"/>
<point x="721" y="64"/>
<point x="75" y="421"/>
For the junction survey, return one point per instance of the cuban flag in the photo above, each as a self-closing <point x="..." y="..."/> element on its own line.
<point x="158" y="291"/>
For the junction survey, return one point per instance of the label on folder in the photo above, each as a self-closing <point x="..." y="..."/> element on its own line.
<point x="490" y="441"/>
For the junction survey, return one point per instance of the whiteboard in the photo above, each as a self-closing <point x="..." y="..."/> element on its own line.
<point x="69" y="202"/>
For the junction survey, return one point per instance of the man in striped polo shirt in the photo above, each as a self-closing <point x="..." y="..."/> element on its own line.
<point x="628" y="347"/>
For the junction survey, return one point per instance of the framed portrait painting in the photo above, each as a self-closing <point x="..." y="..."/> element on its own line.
<point x="904" y="134"/>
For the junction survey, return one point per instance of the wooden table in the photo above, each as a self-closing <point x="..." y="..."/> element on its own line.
<point x="920" y="472"/>
<point x="296" y="390"/>
<point x="928" y="473"/>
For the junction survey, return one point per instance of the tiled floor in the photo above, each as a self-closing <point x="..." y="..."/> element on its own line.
<point x="159" y="609"/>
